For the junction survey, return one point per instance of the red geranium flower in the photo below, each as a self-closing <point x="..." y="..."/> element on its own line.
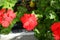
<point x="6" y="17"/>
<point x="9" y="19"/>
<point x="1" y="14"/>
<point x="55" y="28"/>
<point x="2" y="11"/>
<point x="56" y="37"/>
<point x="11" y="13"/>
<point x="29" y="21"/>
<point x="0" y="19"/>
<point x="5" y="24"/>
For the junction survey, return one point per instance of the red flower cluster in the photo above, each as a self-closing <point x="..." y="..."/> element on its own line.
<point x="29" y="21"/>
<point x="55" y="28"/>
<point x="6" y="16"/>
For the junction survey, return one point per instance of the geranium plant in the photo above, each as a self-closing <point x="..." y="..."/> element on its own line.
<point x="44" y="20"/>
<point x="7" y="16"/>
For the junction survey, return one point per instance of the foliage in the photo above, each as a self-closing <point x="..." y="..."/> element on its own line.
<point x="48" y="12"/>
<point x="46" y="8"/>
<point x="7" y="3"/>
<point x="21" y="10"/>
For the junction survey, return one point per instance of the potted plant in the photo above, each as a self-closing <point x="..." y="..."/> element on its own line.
<point x="41" y="16"/>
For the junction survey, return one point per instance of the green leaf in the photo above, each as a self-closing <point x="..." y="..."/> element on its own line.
<point x="7" y="3"/>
